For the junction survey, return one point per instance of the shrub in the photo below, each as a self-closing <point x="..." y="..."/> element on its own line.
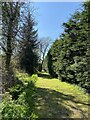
<point x="11" y="109"/>
<point x="22" y="105"/>
<point x="16" y="90"/>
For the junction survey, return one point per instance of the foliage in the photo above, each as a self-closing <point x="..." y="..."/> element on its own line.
<point x="52" y="58"/>
<point x="16" y="90"/>
<point x="9" y="27"/>
<point x="18" y="34"/>
<point x="23" y="106"/>
<point x="28" y="45"/>
<point x="11" y="109"/>
<point x="68" y="57"/>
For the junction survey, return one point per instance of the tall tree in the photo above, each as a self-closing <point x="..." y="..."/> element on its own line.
<point x="9" y="26"/>
<point x="10" y="18"/>
<point x="29" y="43"/>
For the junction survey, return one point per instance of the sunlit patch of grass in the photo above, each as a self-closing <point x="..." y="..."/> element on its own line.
<point x="25" y="78"/>
<point x="57" y="99"/>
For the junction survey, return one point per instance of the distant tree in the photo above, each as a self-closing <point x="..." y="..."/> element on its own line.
<point x="45" y="64"/>
<point x="44" y="45"/>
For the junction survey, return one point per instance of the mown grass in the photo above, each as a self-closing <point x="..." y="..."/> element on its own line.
<point x="57" y="99"/>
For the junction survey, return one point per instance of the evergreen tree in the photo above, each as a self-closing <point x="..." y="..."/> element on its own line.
<point x="27" y="55"/>
<point x="70" y="55"/>
<point x="53" y="54"/>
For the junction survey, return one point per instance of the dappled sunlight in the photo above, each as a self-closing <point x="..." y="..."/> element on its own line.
<point x="57" y="99"/>
<point x="50" y="105"/>
<point x="53" y="104"/>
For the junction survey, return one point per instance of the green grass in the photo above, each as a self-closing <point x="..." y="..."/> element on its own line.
<point x="57" y="99"/>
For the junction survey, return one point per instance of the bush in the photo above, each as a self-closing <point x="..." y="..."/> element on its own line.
<point x="16" y="90"/>
<point x="22" y="105"/>
<point x="11" y="109"/>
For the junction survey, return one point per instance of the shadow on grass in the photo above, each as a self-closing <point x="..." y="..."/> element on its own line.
<point x="47" y="76"/>
<point x="51" y="104"/>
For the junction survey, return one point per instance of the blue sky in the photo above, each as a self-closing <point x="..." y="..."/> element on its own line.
<point x="51" y="15"/>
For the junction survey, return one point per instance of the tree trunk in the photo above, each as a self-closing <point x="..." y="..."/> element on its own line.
<point x="8" y="59"/>
<point x="9" y="53"/>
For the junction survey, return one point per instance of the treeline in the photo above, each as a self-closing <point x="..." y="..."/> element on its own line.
<point x="68" y="57"/>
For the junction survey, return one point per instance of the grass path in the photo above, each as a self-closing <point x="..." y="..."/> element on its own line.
<point x="56" y="99"/>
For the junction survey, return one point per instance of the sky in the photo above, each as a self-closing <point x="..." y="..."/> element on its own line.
<point x="51" y="15"/>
